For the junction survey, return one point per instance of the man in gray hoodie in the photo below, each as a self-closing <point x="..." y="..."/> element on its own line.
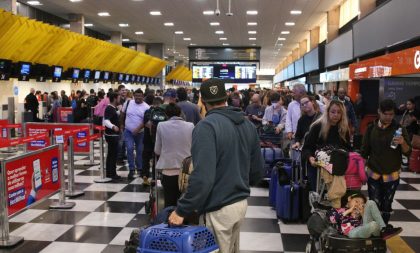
<point x="227" y="160"/>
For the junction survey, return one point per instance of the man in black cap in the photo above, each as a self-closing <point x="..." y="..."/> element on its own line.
<point x="227" y="160"/>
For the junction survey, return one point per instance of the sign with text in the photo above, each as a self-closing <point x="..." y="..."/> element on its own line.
<point x="31" y="177"/>
<point x="4" y="132"/>
<point x="63" y="114"/>
<point x="224" y="54"/>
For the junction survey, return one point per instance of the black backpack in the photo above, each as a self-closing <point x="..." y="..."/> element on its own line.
<point x="157" y="115"/>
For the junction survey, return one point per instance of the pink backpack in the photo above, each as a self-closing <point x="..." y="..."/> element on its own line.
<point x="355" y="174"/>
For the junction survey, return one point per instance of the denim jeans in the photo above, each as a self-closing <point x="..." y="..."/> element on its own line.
<point x="132" y="141"/>
<point x="372" y="222"/>
<point x="121" y="148"/>
<point x="383" y="194"/>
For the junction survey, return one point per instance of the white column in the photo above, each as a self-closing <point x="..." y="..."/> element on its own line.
<point x="77" y="23"/>
<point x="9" y="5"/>
<point x="116" y="38"/>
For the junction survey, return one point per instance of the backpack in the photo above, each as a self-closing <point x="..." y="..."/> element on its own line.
<point x="157" y="115"/>
<point x="185" y="173"/>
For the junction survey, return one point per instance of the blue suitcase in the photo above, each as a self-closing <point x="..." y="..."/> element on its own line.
<point x="287" y="199"/>
<point x="271" y="155"/>
<point x="272" y="192"/>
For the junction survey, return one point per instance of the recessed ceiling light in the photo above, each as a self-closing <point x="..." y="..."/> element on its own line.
<point x="88" y="25"/>
<point x="222" y="38"/>
<point x="104" y="14"/>
<point x="34" y="3"/>
<point x="252" y="32"/>
<point x="285" y="32"/>
<point x="289" y="23"/>
<point x="252" y="38"/>
<point x="123" y="25"/>
<point x="252" y="23"/>
<point x="281" y="45"/>
<point x="168" y="24"/>
<point x="225" y="44"/>
<point x="192" y="44"/>
<point x="125" y="40"/>
<point x="139" y="33"/>
<point x="252" y="12"/>
<point x="281" y="38"/>
<point x="187" y="38"/>
<point x="253" y="44"/>
<point x="155" y="13"/>
<point x="295" y="12"/>
<point x="208" y="12"/>
<point x="179" y="32"/>
<point x="214" y="23"/>
<point x="75" y="1"/>
<point x="219" y="32"/>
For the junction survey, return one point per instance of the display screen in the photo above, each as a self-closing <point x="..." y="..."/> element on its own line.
<point x="76" y="73"/>
<point x="200" y="72"/>
<point x="231" y="73"/>
<point x="25" y="69"/>
<point x="57" y="72"/>
<point x="106" y="75"/>
<point x="138" y="79"/>
<point x="5" y="66"/>
<point x="127" y="78"/>
<point x="97" y="75"/>
<point x="246" y="72"/>
<point x="143" y="79"/>
<point x="87" y="74"/>
<point x="133" y="78"/>
<point x="224" y="71"/>
<point x="120" y="77"/>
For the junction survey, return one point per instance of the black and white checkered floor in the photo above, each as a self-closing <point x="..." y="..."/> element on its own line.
<point x="104" y="217"/>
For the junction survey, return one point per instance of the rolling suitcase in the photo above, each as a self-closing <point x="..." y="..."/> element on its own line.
<point x="273" y="184"/>
<point x="287" y="199"/>
<point x="271" y="156"/>
<point x="414" y="163"/>
<point x="305" y="188"/>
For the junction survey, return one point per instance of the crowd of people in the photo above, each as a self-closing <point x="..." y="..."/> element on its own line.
<point x="220" y="129"/>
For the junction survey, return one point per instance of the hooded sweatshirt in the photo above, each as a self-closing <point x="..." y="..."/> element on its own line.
<point x="226" y="159"/>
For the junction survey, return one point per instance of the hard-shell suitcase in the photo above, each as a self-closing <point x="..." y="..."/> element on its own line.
<point x="273" y="184"/>
<point x="338" y="244"/>
<point x="271" y="155"/>
<point x="414" y="163"/>
<point x="287" y="199"/>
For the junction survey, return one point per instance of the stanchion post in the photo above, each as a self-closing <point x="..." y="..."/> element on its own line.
<point x="25" y="145"/>
<point x="6" y="240"/>
<point x="103" y="178"/>
<point x="91" y="150"/>
<point x="62" y="204"/>
<point x="71" y="192"/>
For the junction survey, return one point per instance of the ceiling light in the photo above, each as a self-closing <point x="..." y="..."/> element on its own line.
<point x="252" y="23"/>
<point x="253" y="44"/>
<point x="168" y="24"/>
<point x="252" y="32"/>
<point x="88" y="25"/>
<point x="225" y="44"/>
<point x="281" y="38"/>
<point x="219" y="32"/>
<point x="75" y="1"/>
<point x="139" y="33"/>
<point x="104" y="14"/>
<point x="187" y="38"/>
<point x="192" y="44"/>
<point x="289" y="23"/>
<point x="208" y="12"/>
<point x="155" y="13"/>
<point x="125" y="40"/>
<point x="123" y="25"/>
<point x="295" y="12"/>
<point x="222" y="38"/>
<point x="252" y="38"/>
<point x="34" y="3"/>
<point x="252" y="12"/>
<point x="179" y="32"/>
<point x="285" y="32"/>
<point x="280" y="45"/>
<point x="214" y="23"/>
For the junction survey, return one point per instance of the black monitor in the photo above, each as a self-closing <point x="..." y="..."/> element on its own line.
<point x="96" y="76"/>
<point x="24" y="71"/>
<point x="127" y="78"/>
<point x="5" y="69"/>
<point x="120" y="78"/>
<point x="57" y="72"/>
<point x="133" y="79"/>
<point x="86" y="75"/>
<point x="143" y="79"/>
<point x="106" y="76"/>
<point x="138" y="79"/>
<point x="74" y="75"/>
<point x="41" y="72"/>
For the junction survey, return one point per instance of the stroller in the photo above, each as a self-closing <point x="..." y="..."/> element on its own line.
<point x="324" y="238"/>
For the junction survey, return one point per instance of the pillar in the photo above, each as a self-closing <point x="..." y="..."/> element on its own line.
<point x="295" y="54"/>
<point x="9" y="5"/>
<point x="141" y="47"/>
<point x="77" y="23"/>
<point x="303" y="48"/>
<point x="366" y="7"/>
<point x="314" y="38"/>
<point x="116" y="38"/>
<point x="333" y="23"/>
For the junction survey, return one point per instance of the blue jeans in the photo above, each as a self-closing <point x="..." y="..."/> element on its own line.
<point x="383" y="194"/>
<point x="131" y="140"/>
<point x="121" y="148"/>
<point x="372" y="222"/>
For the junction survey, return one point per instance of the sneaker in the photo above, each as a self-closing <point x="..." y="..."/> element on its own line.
<point x="130" y="175"/>
<point x="389" y="231"/>
<point x="146" y="181"/>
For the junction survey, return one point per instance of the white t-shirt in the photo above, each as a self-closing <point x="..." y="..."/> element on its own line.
<point x="134" y="114"/>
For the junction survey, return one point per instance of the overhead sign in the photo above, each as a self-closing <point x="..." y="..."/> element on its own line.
<point x="335" y="75"/>
<point x="224" y="54"/>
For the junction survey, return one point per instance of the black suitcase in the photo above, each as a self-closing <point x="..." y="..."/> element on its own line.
<point x="338" y="244"/>
<point x="305" y="188"/>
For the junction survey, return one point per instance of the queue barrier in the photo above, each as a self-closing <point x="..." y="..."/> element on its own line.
<point x="6" y="130"/>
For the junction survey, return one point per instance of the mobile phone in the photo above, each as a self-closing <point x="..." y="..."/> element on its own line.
<point x="37" y="174"/>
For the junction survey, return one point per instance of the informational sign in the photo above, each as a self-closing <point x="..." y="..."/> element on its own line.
<point x="37" y="128"/>
<point x="224" y="54"/>
<point x="63" y="114"/>
<point x="31" y="177"/>
<point x="4" y="133"/>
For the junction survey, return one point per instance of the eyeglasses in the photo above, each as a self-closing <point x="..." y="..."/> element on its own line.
<point x="304" y="103"/>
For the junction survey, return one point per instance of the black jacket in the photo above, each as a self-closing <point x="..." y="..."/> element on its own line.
<point x="31" y="103"/>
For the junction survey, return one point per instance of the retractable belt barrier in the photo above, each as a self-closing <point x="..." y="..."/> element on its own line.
<point x="6" y="130"/>
<point x="5" y="143"/>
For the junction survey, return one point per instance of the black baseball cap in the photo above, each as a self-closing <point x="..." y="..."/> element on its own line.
<point x="213" y="90"/>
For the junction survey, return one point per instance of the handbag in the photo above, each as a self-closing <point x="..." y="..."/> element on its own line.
<point x="415" y="142"/>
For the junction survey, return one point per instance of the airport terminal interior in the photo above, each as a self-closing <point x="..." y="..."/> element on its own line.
<point x="56" y="194"/>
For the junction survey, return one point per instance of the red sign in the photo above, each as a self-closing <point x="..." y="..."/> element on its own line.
<point x="4" y="133"/>
<point x="63" y="113"/>
<point x="400" y="63"/>
<point x="32" y="177"/>
<point x="37" y="128"/>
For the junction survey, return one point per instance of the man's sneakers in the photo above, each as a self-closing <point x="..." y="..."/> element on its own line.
<point x="130" y="175"/>
<point x="389" y="231"/>
<point x="146" y="181"/>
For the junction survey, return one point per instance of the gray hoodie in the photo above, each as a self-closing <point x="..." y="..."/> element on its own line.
<point x="227" y="160"/>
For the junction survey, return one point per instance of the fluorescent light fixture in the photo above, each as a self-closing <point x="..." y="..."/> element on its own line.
<point x="34" y="3"/>
<point x="192" y="44"/>
<point x="285" y="32"/>
<point x="125" y="40"/>
<point x="123" y="25"/>
<point x="289" y="23"/>
<point x="280" y="38"/>
<point x="253" y="44"/>
<point x="252" y="32"/>
<point x="225" y="44"/>
<point x="281" y="45"/>
<point x="75" y="1"/>
<point x="139" y="33"/>
<point x="88" y="25"/>
<point x="155" y="13"/>
<point x="222" y="38"/>
<point x="104" y="14"/>
<point x="187" y="38"/>
<point x="252" y="38"/>
<point x="295" y="12"/>
<point x="208" y="12"/>
<point x="168" y="24"/>
<point x="214" y="23"/>
<point x="219" y="32"/>
<point x="252" y="12"/>
<point x="179" y="32"/>
<point x="252" y="23"/>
